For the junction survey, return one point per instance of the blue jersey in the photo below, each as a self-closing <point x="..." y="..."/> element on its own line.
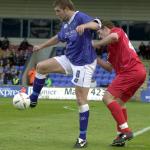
<point x="79" y="49"/>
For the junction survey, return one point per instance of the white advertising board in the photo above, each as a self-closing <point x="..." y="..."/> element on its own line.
<point x="67" y="93"/>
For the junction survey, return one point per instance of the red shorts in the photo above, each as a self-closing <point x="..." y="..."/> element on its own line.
<point x="126" y="84"/>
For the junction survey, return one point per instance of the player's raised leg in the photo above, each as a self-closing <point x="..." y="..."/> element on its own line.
<point x="42" y="69"/>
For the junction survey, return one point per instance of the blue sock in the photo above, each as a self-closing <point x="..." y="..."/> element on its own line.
<point x="84" y="117"/>
<point x="37" y="87"/>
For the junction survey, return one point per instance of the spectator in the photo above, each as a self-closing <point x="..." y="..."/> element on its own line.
<point x="11" y="56"/>
<point x="19" y="59"/>
<point x="148" y="51"/>
<point x="26" y="55"/>
<point x="8" y="55"/>
<point x="13" y="70"/>
<point x="31" y="75"/>
<point x="7" y="74"/>
<point x="5" y="59"/>
<point x="24" y="45"/>
<point x="19" y="74"/>
<point x="142" y="50"/>
<point x="5" y="43"/>
<point x="22" y="57"/>
<point x="15" y="80"/>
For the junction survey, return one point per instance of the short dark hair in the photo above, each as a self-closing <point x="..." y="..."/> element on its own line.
<point x="108" y="24"/>
<point x="63" y="4"/>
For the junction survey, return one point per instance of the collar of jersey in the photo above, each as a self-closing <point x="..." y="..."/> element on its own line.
<point x="72" y="17"/>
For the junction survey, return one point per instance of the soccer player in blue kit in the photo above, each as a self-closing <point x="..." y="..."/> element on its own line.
<point x="79" y="60"/>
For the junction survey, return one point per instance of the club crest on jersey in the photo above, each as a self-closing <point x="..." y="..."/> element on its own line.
<point x="65" y="26"/>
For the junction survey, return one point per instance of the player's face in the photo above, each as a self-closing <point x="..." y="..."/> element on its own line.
<point x="103" y="33"/>
<point x="61" y="13"/>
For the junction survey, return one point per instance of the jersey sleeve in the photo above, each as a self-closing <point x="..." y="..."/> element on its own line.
<point x="118" y="31"/>
<point x="98" y="21"/>
<point x="61" y="35"/>
<point x="84" y="18"/>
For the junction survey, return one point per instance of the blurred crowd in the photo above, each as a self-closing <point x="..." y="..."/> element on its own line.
<point x="144" y="50"/>
<point x="14" y="57"/>
<point x="12" y="60"/>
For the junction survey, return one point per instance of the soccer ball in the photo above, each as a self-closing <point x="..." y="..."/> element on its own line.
<point x="21" y="101"/>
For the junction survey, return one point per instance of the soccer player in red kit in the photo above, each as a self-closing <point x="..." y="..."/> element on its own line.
<point x="130" y="75"/>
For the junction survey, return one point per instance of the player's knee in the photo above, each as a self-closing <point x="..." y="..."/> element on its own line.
<point x="41" y="68"/>
<point x="81" y="101"/>
<point x="104" y="98"/>
<point x="107" y="98"/>
<point x="120" y="102"/>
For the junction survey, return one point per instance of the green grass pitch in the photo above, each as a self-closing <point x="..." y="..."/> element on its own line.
<point x="51" y="127"/>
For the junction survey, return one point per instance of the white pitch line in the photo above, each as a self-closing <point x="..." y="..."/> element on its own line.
<point x="141" y="131"/>
<point x="68" y="108"/>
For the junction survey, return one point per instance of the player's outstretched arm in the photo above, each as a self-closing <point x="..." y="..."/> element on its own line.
<point x="93" y="25"/>
<point x="52" y="41"/>
<point x="111" y="38"/>
<point x="94" y="44"/>
<point x="106" y="65"/>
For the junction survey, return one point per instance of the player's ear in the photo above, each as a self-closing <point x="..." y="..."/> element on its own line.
<point x="106" y="29"/>
<point x="66" y="9"/>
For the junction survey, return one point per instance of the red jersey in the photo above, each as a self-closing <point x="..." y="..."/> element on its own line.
<point x="121" y="54"/>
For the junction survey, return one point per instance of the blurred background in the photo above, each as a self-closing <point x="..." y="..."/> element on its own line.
<point x="24" y="23"/>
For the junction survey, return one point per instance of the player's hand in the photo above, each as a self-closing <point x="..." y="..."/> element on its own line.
<point x="80" y="29"/>
<point x="36" y="48"/>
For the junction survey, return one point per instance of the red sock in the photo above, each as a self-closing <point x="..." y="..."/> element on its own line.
<point x="116" y="112"/>
<point x="124" y="110"/>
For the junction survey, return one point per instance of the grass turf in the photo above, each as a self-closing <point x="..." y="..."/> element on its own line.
<point x="51" y="127"/>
